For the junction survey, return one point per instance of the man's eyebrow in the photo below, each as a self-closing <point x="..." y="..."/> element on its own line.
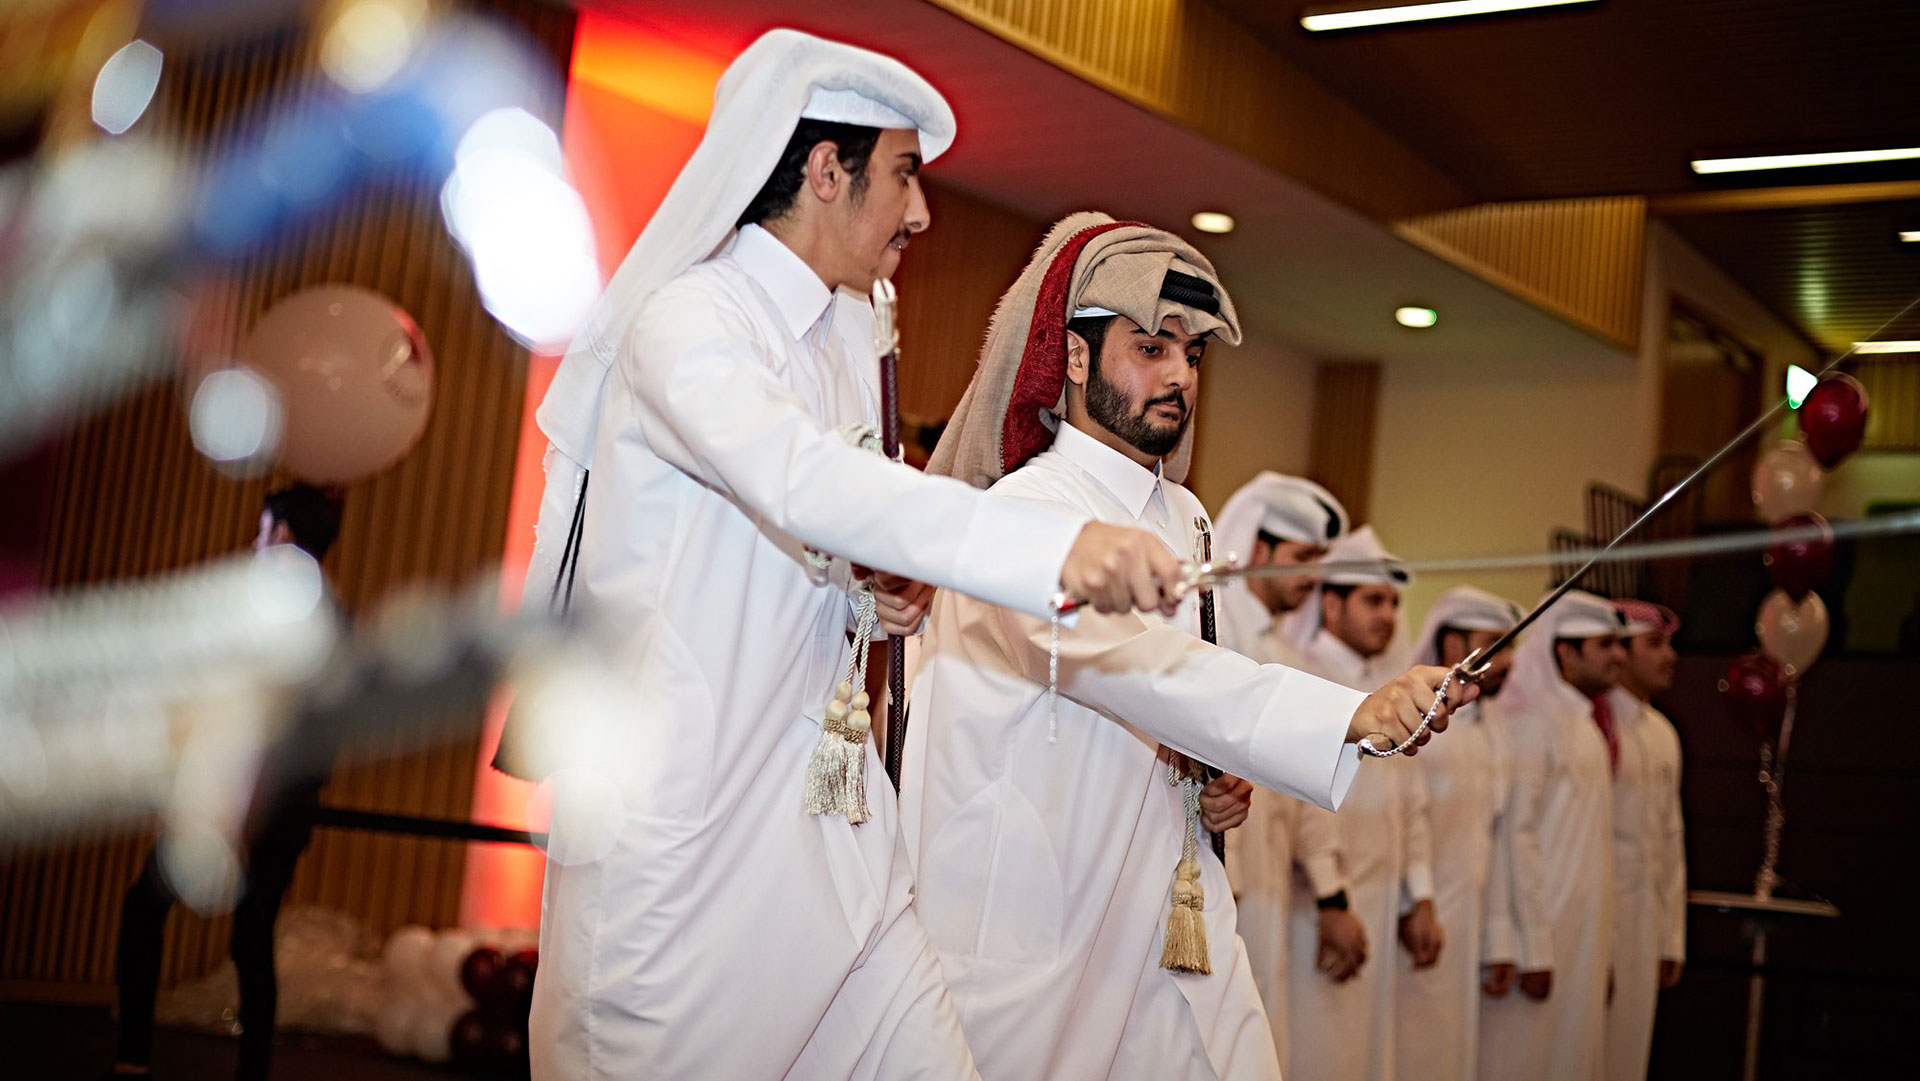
<point x="1169" y="335"/>
<point x="912" y="161"/>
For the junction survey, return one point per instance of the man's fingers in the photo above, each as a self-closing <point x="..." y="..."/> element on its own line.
<point x="1146" y="577"/>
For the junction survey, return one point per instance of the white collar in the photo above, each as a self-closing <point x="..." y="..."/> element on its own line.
<point x="1336" y="648"/>
<point x="795" y="289"/>
<point x="1117" y="473"/>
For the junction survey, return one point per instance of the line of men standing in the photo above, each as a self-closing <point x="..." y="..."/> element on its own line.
<point x="1507" y="905"/>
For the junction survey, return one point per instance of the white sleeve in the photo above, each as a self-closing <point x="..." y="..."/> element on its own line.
<point x="1499" y="938"/>
<point x="1252" y="847"/>
<point x="1672" y="862"/>
<point x="707" y="402"/>
<point x="1316" y="848"/>
<point x="1278" y="727"/>
<point x="1531" y="762"/>
<point x="1417" y="828"/>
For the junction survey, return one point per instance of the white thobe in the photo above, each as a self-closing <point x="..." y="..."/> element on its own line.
<point x="1378" y="849"/>
<point x="1437" y="1009"/>
<point x="1560" y="915"/>
<point x="1046" y="834"/>
<point x="1260" y="852"/>
<point x="728" y="933"/>
<point x="1649" y="880"/>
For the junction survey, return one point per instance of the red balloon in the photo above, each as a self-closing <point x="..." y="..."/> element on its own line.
<point x="1833" y="418"/>
<point x="1755" y="690"/>
<point x="1798" y="566"/>
<point x="480" y="971"/>
<point x="471" y="1040"/>
<point x="512" y="991"/>
<point x="507" y="1049"/>
<point x="530" y="961"/>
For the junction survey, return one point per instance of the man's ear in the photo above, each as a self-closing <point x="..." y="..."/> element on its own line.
<point x="825" y="177"/>
<point x="282" y="534"/>
<point x="1077" y="356"/>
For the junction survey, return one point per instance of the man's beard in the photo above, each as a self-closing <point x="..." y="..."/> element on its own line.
<point x="1109" y="408"/>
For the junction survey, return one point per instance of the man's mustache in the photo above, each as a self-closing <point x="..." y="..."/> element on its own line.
<point x="1173" y="398"/>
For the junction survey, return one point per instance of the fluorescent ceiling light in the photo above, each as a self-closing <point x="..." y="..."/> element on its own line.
<point x="1418" y="318"/>
<point x="1800" y="383"/>
<point x="1887" y="347"/>
<point x="1408" y="13"/>
<point x="1911" y="236"/>
<point x="1704" y="166"/>
<point x="1212" y="221"/>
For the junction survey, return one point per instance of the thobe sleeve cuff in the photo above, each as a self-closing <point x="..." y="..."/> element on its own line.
<point x="1014" y="551"/>
<point x="1300" y="744"/>
<point x="1419" y="883"/>
<point x="1536" y="951"/>
<point x="1499" y="945"/>
<point x="1676" y="946"/>
<point x="1324" y="877"/>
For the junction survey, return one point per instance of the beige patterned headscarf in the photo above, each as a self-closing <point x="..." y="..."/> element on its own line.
<point x="1089" y="260"/>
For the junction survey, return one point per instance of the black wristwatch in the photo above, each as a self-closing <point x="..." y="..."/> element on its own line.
<point x="1338" y="899"/>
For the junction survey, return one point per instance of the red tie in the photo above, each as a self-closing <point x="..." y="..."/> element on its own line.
<point x="1603" y="716"/>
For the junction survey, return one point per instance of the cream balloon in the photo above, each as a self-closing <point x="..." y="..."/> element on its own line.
<point x="450" y="952"/>
<point x="355" y="378"/>
<point x="1793" y="634"/>
<point x="409" y="957"/>
<point x="431" y="1037"/>
<point x="394" y="1028"/>
<point x="1786" y="480"/>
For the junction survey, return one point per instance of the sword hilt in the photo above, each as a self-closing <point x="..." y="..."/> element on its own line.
<point x="1469" y="670"/>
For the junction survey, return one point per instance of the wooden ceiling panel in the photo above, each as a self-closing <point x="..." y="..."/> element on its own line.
<point x="1839" y="271"/>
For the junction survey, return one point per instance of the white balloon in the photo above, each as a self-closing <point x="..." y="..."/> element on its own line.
<point x="431" y="1037"/>
<point x="408" y="956"/>
<point x="1787" y="480"/>
<point x="450" y="951"/>
<point x="1792" y="633"/>
<point x="355" y="378"/>
<point x="394" y="1027"/>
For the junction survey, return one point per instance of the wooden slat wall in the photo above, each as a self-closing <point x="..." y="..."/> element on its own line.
<point x="1346" y="404"/>
<point x="133" y="498"/>
<point x="951" y="277"/>
<point x="1893" y="400"/>
<point x="1580" y="258"/>
<point x="1199" y="66"/>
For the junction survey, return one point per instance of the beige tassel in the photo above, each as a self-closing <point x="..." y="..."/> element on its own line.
<point x="1186" y="946"/>
<point x="826" y="770"/>
<point x="837" y="772"/>
<point x="859" y="723"/>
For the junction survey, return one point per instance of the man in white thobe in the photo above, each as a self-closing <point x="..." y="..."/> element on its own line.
<point x="1374" y="858"/>
<point x="1050" y="833"/>
<point x="1561" y="812"/>
<point x="1649" y="855"/>
<point x="1437" y="1008"/>
<point x="1273" y="519"/>
<point x="698" y="921"/>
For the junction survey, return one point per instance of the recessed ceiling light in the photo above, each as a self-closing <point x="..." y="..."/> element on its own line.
<point x="1212" y="221"/>
<point x="1705" y="166"/>
<point x="1911" y="236"/>
<point x="1887" y="347"/>
<point x="1417" y="318"/>
<point x="1408" y="13"/>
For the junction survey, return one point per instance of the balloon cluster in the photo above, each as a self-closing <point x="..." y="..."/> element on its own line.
<point x="461" y="997"/>
<point x="1792" y="623"/>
